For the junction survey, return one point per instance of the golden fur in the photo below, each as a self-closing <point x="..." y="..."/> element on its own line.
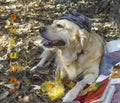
<point x="80" y="56"/>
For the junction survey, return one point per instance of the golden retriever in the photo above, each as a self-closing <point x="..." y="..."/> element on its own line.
<point x="78" y="53"/>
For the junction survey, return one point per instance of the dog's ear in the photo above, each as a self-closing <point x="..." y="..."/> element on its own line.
<point x="79" y="41"/>
<point x="83" y="36"/>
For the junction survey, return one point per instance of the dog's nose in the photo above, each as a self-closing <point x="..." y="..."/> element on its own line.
<point x="42" y="29"/>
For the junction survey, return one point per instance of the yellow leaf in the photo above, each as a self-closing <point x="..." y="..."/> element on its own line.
<point x="93" y="87"/>
<point x="71" y="84"/>
<point x="57" y="77"/>
<point x="52" y="89"/>
<point x="55" y="89"/>
<point x="7" y="22"/>
<point x="12" y="29"/>
<point x="56" y="92"/>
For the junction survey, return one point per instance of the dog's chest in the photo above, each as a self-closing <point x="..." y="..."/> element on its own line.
<point x="70" y="67"/>
<point x="71" y="71"/>
<point x="69" y="64"/>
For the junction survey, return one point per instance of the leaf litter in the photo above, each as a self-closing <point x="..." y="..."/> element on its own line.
<point x="30" y="16"/>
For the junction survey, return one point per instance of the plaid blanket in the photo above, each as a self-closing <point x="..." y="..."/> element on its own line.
<point x="111" y="57"/>
<point x="116" y="96"/>
<point x="108" y="60"/>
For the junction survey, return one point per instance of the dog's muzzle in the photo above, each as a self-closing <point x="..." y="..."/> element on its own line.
<point x="46" y="41"/>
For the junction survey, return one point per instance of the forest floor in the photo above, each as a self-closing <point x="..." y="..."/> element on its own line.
<point x="30" y="16"/>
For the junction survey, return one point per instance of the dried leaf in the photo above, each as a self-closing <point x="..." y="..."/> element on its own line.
<point x="52" y="89"/>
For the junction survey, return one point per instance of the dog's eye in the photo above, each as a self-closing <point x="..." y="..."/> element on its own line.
<point x="60" y="26"/>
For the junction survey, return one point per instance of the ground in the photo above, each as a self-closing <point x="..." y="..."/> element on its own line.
<point x="30" y="16"/>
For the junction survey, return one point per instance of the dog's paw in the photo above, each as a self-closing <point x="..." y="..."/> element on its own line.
<point x="72" y="94"/>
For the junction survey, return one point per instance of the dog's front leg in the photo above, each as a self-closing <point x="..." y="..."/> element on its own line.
<point x="45" y="57"/>
<point x="72" y="94"/>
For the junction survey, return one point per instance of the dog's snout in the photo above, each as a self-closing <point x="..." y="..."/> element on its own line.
<point x="42" y="29"/>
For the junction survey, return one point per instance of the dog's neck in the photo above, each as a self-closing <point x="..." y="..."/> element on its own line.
<point x="70" y="55"/>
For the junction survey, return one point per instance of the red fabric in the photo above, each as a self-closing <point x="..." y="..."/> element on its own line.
<point x="81" y="98"/>
<point x="93" y="95"/>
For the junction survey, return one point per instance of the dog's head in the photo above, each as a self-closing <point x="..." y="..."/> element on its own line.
<point x="65" y="34"/>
